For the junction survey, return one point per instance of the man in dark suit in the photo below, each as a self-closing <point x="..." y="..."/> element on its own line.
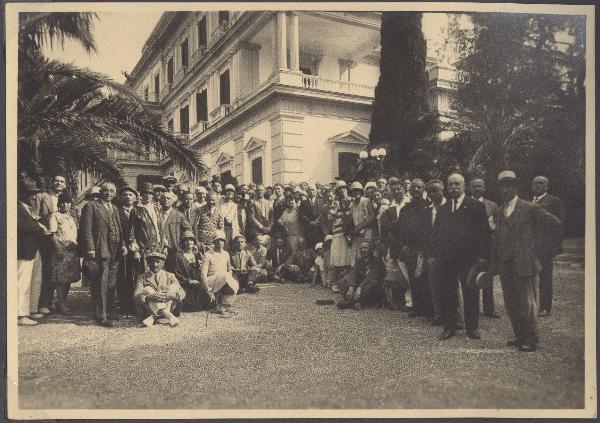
<point x="517" y="223"/>
<point x="308" y="213"/>
<point x="464" y="243"/>
<point x="411" y="228"/>
<point x="477" y="189"/>
<point x="257" y="223"/>
<point x="548" y="243"/>
<point x="174" y="224"/>
<point x="127" y="265"/>
<point x="102" y="242"/>
<point x="395" y="290"/>
<point x="431" y="242"/>
<point x="146" y="230"/>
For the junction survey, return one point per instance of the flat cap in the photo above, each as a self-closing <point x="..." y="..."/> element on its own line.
<point x="156" y="254"/>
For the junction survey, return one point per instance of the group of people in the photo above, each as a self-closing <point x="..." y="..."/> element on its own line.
<point x="175" y="247"/>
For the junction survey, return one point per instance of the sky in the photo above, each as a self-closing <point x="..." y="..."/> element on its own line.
<point x="121" y="36"/>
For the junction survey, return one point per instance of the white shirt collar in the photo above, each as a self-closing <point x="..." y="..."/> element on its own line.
<point x="459" y="200"/>
<point x="538" y="198"/>
<point x="511" y="203"/>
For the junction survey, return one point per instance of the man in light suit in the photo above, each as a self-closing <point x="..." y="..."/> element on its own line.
<point x="477" y="189"/>
<point x="464" y="242"/>
<point x="548" y="243"/>
<point x="102" y="243"/>
<point x="517" y="223"/>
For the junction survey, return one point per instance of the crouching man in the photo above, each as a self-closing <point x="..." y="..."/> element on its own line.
<point x="158" y="293"/>
<point x="367" y="280"/>
<point x="244" y="267"/>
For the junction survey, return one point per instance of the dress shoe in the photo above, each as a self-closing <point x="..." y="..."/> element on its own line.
<point x="104" y="322"/>
<point x="36" y="315"/>
<point x="527" y="347"/>
<point x="357" y="307"/>
<point x="44" y="310"/>
<point x="492" y="315"/>
<point x="474" y="334"/>
<point x="513" y="343"/>
<point x="446" y="334"/>
<point x="543" y="313"/>
<point x="26" y="321"/>
<point x="436" y="322"/>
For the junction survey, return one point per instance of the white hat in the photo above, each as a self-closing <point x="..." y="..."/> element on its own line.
<point x="340" y="184"/>
<point x="507" y="174"/>
<point x="356" y="185"/>
<point x="328" y="237"/>
<point x="319" y="245"/>
<point x="229" y="187"/>
<point x="201" y="189"/>
<point x="219" y="234"/>
<point x="370" y="184"/>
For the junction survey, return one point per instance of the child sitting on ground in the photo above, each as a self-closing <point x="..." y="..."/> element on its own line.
<point x="319" y="273"/>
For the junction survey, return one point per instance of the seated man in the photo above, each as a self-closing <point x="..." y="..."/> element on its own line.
<point x="260" y="253"/>
<point x="243" y="265"/>
<point x="157" y="293"/>
<point x="298" y="266"/>
<point x="218" y="278"/>
<point x="279" y="255"/>
<point x="367" y="280"/>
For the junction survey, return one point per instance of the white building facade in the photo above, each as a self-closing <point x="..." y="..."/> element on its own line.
<point x="263" y="96"/>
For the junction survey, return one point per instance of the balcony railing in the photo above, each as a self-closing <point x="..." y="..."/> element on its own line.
<point x="180" y="74"/>
<point x="220" y="112"/>
<point x="317" y="83"/>
<point x="218" y="32"/>
<point x="200" y="126"/>
<point x="197" y="55"/>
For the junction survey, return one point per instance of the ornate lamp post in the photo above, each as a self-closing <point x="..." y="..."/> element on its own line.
<point x="371" y="163"/>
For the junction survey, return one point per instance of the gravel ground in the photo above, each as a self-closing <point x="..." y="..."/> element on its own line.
<point x="285" y="352"/>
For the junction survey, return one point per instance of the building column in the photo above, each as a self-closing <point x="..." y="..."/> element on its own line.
<point x="294" y="43"/>
<point x="281" y="41"/>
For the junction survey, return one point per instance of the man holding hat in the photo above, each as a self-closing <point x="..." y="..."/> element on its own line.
<point x="517" y="224"/>
<point x="157" y="292"/>
<point x="103" y="243"/>
<point x="127" y="264"/>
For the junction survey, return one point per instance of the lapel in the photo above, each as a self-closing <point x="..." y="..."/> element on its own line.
<point x="170" y="218"/>
<point x="514" y="217"/>
<point x="103" y="212"/>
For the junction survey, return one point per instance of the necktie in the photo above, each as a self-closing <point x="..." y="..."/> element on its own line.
<point x="454" y="205"/>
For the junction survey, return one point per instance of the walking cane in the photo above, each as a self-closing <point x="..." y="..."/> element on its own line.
<point x="207" y="313"/>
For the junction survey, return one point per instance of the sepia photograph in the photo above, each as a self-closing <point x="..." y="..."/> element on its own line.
<point x="259" y="210"/>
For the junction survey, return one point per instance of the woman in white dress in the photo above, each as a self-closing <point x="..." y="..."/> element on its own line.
<point x="217" y="275"/>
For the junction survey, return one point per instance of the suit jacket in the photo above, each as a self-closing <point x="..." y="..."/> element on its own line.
<point x="390" y="224"/>
<point x="96" y="229"/>
<point x="143" y="232"/>
<point x="29" y="233"/>
<point x="490" y="207"/>
<point x="193" y="211"/>
<point x="464" y="234"/>
<point x="411" y="226"/>
<point x="515" y="236"/>
<point x="256" y="223"/>
<point x="431" y="233"/>
<point x="308" y="214"/>
<point x="265" y="211"/>
<point x="323" y="216"/>
<point x="286" y="253"/>
<point x="173" y="227"/>
<point x="126" y="223"/>
<point x="549" y="242"/>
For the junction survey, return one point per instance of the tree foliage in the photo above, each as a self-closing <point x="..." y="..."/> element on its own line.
<point x="520" y="101"/>
<point x="401" y="118"/>
<point x="71" y="119"/>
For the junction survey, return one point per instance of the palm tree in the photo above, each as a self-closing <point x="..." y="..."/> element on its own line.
<point x="71" y="119"/>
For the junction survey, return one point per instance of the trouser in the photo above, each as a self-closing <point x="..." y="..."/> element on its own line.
<point x="520" y="300"/>
<point x="546" y="275"/>
<point x="103" y="288"/>
<point x="126" y="282"/>
<point x="419" y="288"/>
<point x="454" y="276"/>
<point x="225" y="297"/>
<point x="488" y="301"/>
<point x="435" y="287"/>
<point x="24" y="273"/>
<point x="371" y="292"/>
<point x="244" y="278"/>
<point x="47" y="292"/>
<point x="36" y="284"/>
